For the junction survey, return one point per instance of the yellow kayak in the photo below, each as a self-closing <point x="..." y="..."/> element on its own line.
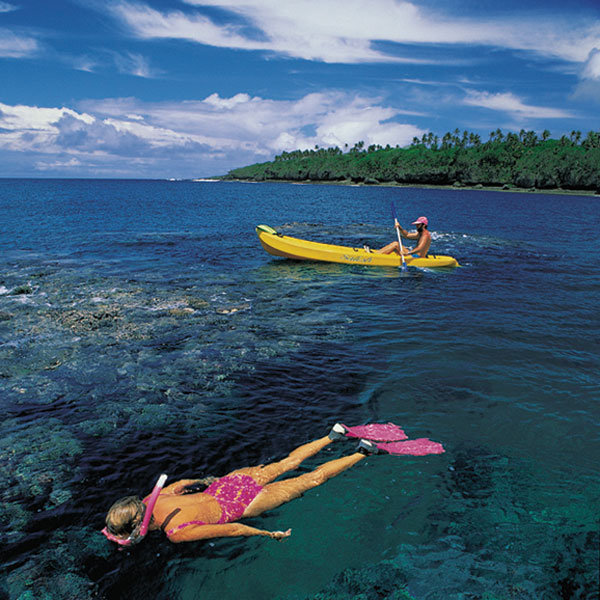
<point x="288" y="247"/>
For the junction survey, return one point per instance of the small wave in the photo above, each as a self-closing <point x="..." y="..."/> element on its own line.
<point x="300" y="224"/>
<point x="168" y="305"/>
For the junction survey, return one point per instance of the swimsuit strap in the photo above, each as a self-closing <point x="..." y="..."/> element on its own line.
<point x="169" y="517"/>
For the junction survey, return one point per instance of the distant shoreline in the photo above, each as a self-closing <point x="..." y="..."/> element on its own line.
<point x="520" y="162"/>
<point x="476" y="188"/>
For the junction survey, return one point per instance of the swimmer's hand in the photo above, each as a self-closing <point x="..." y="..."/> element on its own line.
<point x="279" y="535"/>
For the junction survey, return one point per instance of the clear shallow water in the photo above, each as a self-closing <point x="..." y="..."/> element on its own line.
<point x="144" y="330"/>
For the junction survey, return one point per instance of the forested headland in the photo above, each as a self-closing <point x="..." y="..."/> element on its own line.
<point x="514" y="160"/>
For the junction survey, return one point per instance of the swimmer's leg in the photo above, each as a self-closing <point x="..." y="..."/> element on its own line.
<point x="280" y="492"/>
<point x="265" y="473"/>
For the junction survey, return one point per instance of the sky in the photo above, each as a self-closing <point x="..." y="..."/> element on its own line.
<point x="194" y="88"/>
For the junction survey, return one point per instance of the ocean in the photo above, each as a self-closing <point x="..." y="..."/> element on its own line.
<point x="144" y="330"/>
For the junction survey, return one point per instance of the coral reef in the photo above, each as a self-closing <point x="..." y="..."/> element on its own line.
<point x="383" y="581"/>
<point x="36" y="464"/>
<point x="59" y="570"/>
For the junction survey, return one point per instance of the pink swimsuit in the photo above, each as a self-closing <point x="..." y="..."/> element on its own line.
<point x="233" y="493"/>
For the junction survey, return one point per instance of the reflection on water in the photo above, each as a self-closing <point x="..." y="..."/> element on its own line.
<point x="321" y="272"/>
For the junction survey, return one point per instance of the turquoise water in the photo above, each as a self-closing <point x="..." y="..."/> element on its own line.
<point x="144" y="330"/>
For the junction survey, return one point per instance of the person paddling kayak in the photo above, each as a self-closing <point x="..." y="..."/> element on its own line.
<point x="422" y="236"/>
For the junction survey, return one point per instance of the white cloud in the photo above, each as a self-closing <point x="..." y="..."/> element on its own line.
<point x="35" y="119"/>
<point x="184" y="135"/>
<point x="128" y="63"/>
<point x="71" y="163"/>
<point x="13" y="45"/>
<point x="591" y="69"/>
<point x="264" y="125"/>
<point x="84" y="63"/>
<point x="371" y="124"/>
<point x="286" y="39"/>
<point x="509" y="103"/>
<point x="226" y="103"/>
<point x="345" y="30"/>
<point x="6" y="7"/>
<point x="134" y="64"/>
<point x="589" y="86"/>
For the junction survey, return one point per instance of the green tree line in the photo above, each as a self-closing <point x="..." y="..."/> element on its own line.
<point x="523" y="160"/>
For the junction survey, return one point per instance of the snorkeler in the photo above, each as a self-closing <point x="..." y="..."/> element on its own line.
<point x="185" y="514"/>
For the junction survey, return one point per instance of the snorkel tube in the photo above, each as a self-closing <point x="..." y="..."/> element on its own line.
<point x="138" y="536"/>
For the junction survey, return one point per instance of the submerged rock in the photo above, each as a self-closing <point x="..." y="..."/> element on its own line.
<point x="197" y="303"/>
<point x="58" y="570"/>
<point x="374" y="582"/>
<point x="88" y="320"/>
<point x="228" y="310"/>
<point x="491" y="520"/>
<point x="22" y="289"/>
<point x="36" y="464"/>
<point x="13" y="519"/>
<point x="181" y="312"/>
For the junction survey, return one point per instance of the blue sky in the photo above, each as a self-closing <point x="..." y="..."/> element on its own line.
<point x="192" y="88"/>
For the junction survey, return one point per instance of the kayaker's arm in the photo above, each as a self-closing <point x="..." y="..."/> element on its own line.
<point x="405" y="234"/>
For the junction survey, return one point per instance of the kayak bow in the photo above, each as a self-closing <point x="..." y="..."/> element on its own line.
<point x="288" y="247"/>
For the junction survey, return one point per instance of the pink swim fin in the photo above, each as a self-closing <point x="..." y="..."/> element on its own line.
<point x="419" y="447"/>
<point x="378" y="432"/>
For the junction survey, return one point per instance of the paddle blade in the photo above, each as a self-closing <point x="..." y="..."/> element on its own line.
<point x="377" y="432"/>
<point x="420" y="447"/>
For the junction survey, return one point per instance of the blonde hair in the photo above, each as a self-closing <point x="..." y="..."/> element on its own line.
<point x="125" y="515"/>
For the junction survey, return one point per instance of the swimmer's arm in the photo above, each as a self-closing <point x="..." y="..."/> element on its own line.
<point x="179" y="486"/>
<point x="205" y="532"/>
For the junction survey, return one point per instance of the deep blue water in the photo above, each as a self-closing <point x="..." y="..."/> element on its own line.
<point x="144" y="330"/>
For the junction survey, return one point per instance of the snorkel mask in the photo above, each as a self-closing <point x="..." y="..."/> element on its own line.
<point x="138" y="536"/>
